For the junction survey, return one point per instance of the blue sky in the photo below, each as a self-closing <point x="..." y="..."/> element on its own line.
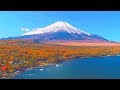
<point x="103" y="23"/>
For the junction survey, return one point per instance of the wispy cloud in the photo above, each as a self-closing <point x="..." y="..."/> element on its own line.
<point x="25" y="29"/>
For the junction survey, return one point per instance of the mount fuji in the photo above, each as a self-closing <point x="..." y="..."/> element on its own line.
<point x="59" y="26"/>
<point x="59" y="31"/>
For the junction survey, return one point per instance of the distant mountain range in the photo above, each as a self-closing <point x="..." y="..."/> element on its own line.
<point x="58" y="31"/>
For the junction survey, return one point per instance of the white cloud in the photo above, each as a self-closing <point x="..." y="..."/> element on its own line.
<point x="25" y="29"/>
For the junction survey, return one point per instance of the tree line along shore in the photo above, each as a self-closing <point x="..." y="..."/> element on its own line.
<point x="18" y="55"/>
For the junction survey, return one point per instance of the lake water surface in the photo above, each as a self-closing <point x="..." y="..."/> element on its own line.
<point x="80" y="68"/>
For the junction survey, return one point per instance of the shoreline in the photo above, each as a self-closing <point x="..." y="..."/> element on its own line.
<point x="18" y="56"/>
<point x="30" y="68"/>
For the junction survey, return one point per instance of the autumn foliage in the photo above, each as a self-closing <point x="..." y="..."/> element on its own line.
<point x="4" y="68"/>
<point x="20" y="54"/>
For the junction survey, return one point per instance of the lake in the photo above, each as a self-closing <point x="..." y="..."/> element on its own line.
<point x="80" y="68"/>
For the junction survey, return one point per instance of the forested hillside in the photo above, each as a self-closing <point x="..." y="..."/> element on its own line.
<point x="19" y="55"/>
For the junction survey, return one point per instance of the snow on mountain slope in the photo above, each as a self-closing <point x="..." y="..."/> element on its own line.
<point x="58" y="31"/>
<point x="56" y="27"/>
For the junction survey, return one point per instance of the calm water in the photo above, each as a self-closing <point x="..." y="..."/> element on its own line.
<point x="81" y="68"/>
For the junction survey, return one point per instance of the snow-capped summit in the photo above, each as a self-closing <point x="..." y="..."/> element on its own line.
<point x="59" y="31"/>
<point x="57" y="27"/>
